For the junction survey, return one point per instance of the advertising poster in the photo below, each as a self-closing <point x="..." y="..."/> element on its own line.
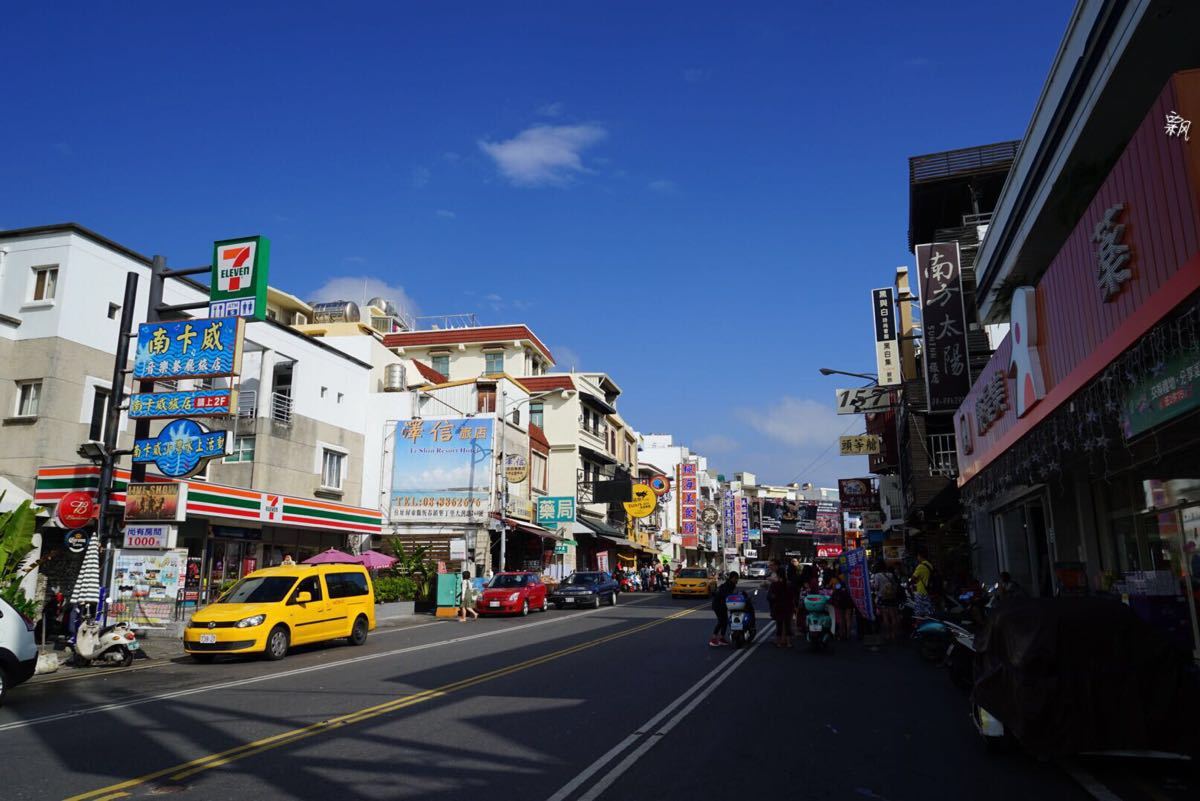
<point x="887" y="351"/>
<point x="854" y="567"/>
<point x="443" y="470"/>
<point x="147" y="584"/>
<point x="158" y="501"/>
<point x="829" y="520"/>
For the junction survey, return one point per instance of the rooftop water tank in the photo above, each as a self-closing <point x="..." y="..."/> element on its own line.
<point x="338" y="311"/>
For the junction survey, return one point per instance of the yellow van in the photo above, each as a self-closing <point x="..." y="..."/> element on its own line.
<point x="272" y="609"/>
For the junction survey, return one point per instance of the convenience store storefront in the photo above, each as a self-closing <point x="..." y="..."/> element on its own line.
<point x="1077" y="443"/>
<point x="230" y="531"/>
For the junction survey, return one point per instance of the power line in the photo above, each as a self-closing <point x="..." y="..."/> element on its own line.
<point x="822" y="454"/>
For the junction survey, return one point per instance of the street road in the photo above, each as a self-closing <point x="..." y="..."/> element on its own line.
<point x="618" y="703"/>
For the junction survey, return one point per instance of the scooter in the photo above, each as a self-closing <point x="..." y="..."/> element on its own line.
<point x="820" y="624"/>
<point x="110" y="645"/>
<point x="742" y="623"/>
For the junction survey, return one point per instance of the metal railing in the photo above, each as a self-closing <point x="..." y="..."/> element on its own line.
<point x="247" y="403"/>
<point x="281" y="408"/>
<point x="943" y="455"/>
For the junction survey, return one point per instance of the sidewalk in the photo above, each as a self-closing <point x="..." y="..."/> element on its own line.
<point x="160" y="649"/>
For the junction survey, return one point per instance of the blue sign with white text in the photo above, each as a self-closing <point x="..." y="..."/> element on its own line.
<point x="197" y="403"/>
<point x="189" y="348"/>
<point x="180" y="449"/>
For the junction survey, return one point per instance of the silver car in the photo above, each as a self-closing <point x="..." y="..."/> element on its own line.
<point x="759" y="570"/>
<point x="18" y="649"/>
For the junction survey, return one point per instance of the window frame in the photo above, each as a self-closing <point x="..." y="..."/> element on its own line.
<point x="40" y="270"/>
<point x="537" y="413"/>
<point x="433" y="363"/>
<point x="237" y="455"/>
<point x="342" y="457"/>
<point x="489" y="356"/>
<point x="37" y="385"/>
<point x="93" y="434"/>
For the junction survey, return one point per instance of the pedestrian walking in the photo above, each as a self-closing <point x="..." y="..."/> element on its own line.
<point x="780" y="599"/>
<point x="843" y="606"/>
<point x="727" y="588"/>
<point x="466" y="603"/>
<point x="922" y="579"/>
<point x="885" y="584"/>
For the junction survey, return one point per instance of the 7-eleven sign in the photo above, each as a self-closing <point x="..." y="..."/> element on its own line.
<point x="239" y="278"/>
<point x="271" y="510"/>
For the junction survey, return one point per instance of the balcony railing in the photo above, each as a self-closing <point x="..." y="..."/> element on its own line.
<point x="281" y="409"/>
<point x="943" y="456"/>
<point x="247" y="403"/>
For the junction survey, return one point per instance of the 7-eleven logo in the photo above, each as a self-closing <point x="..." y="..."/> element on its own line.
<point x="272" y="508"/>
<point x="235" y="266"/>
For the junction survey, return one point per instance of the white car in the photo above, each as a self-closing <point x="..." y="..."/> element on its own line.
<point x="18" y="649"/>
<point x="758" y="570"/>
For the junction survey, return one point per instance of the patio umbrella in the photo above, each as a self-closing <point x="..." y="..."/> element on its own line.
<point x="331" y="556"/>
<point x="374" y="560"/>
<point x="87" y="584"/>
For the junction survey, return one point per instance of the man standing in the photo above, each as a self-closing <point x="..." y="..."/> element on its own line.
<point x="922" y="577"/>
<point x="727" y="588"/>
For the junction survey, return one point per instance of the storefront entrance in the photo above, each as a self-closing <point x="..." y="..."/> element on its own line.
<point x="1023" y="545"/>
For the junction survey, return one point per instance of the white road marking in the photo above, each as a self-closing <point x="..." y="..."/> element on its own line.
<point x="725" y="668"/>
<point x="1088" y="782"/>
<point x="92" y="710"/>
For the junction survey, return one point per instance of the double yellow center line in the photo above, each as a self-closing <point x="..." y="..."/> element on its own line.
<point x="186" y="770"/>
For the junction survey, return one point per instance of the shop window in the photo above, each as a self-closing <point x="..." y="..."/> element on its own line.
<point x="29" y="396"/>
<point x="538" y="472"/>
<point x="243" y="449"/>
<point x="332" y="468"/>
<point x="45" y="282"/>
<point x="100" y="400"/>
<point x="440" y="363"/>
<point x="493" y="363"/>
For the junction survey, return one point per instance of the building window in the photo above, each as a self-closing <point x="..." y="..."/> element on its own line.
<point x="441" y="363"/>
<point x="340" y="396"/>
<point x="243" y="450"/>
<point x="100" y="401"/>
<point x="332" y="464"/>
<point x="538" y="472"/>
<point x="45" y="282"/>
<point x="516" y="417"/>
<point x="487" y="399"/>
<point x="536" y="414"/>
<point x="493" y="363"/>
<point x="323" y="391"/>
<point x="29" y="396"/>
<point x="272" y="314"/>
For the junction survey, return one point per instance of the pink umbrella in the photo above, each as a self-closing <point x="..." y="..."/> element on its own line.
<point x="331" y="556"/>
<point x="374" y="560"/>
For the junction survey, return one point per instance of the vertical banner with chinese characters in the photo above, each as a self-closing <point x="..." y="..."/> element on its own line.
<point x="689" y="493"/>
<point x="744" y="519"/>
<point x="442" y="470"/>
<point x="727" y="519"/>
<point x="887" y="351"/>
<point x="944" y="326"/>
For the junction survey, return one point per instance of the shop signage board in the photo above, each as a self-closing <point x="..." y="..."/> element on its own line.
<point x="1159" y="399"/>
<point x="709" y="516"/>
<point x="442" y="470"/>
<point x="644" y="502"/>
<point x="555" y="511"/>
<point x="887" y="338"/>
<point x="181" y="448"/>
<point x="76" y="541"/>
<point x="458" y="549"/>
<point x="857" y="494"/>
<point x="860" y="445"/>
<point x="159" y="536"/>
<point x="516" y="467"/>
<point x="560" y="548"/>
<point x="75" y="509"/>
<point x="194" y="403"/>
<point x="147" y="584"/>
<point x="865" y="400"/>
<point x="853" y="564"/>
<point x="750" y="553"/>
<point x="202" y="348"/>
<point x="688" y="499"/>
<point x="238" y="286"/>
<point x="156" y="501"/>
<point x="872" y="520"/>
<point x="944" y="326"/>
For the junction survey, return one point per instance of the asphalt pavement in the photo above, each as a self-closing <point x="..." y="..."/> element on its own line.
<point x="622" y="703"/>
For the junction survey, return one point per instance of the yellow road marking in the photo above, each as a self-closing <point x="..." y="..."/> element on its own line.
<point x="192" y="767"/>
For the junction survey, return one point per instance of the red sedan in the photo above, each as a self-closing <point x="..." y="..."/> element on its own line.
<point x="512" y="593"/>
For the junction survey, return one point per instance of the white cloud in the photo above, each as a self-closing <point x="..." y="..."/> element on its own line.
<point x="445" y="214"/>
<point x="435" y="478"/>
<point x="565" y="358"/>
<point x="662" y="186"/>
<point x="544" y="155"/>
<point x="714" y="443"/>
<point x="798" y="421"/>
<point x="360" y="289"/>
<point x="551" y="109"/>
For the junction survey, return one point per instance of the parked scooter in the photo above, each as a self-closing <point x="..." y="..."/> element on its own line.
<point x="110" y="645"/>
<point x="742" y="623"/>
<point x="820" y="624"/>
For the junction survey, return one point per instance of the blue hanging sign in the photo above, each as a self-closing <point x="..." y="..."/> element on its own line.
<point x="197" y="403"/>
<point x="180" y="449"/>
<point x="200" y="348"/>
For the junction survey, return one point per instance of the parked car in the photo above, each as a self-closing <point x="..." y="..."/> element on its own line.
<point x="758" y="570"/>
<point x="589" y="588"/>
<point x="272" y="609"/>
<point x="512" y="593"/>
<point x="18" y="649"/>
<point x="693" y="581"/>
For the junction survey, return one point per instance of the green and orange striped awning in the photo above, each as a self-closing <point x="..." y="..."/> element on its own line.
<point x="216" y="500"/>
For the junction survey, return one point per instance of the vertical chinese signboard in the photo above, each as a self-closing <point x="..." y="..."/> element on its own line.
<point x="689" y="492"/>
<point x="743" y="519"/>
<point x="944" y="325"/>
<point x="887" y="351"/>
<point x="239" y="278"/>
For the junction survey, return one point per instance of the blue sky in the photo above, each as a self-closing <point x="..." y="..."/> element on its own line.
<point x="695" y="197"/>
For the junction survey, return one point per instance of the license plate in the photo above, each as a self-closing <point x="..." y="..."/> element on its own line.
<point x="494" y="604"/>
<point x="815" y="627"/>
<point x="568" y="600"/>
<point x="208" y="639"/>
<point x="735" y="623"/>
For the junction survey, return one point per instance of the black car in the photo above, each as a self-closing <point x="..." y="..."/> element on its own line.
<point x="586" y="589"/>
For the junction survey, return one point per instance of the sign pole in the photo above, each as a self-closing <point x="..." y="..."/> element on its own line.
<point x="112" y="422"/>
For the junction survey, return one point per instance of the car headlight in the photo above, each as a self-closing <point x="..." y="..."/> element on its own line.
<point x="514" y="596"/>
<point x="247" y="622"/>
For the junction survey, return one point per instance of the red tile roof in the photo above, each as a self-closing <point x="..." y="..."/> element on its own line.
<point x="545" y="383"/>
<point x="453" y="336"/>
<point x="538" y="437"/>
<point x="429" y="374"/>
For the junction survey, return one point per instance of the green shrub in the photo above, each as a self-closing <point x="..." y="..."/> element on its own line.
<point x="395" y="588"/>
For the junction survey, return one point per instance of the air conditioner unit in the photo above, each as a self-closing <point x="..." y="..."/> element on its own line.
<point x="299" y="318"/>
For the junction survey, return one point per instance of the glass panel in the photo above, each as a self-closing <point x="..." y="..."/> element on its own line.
<point x="440" y="364"/>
